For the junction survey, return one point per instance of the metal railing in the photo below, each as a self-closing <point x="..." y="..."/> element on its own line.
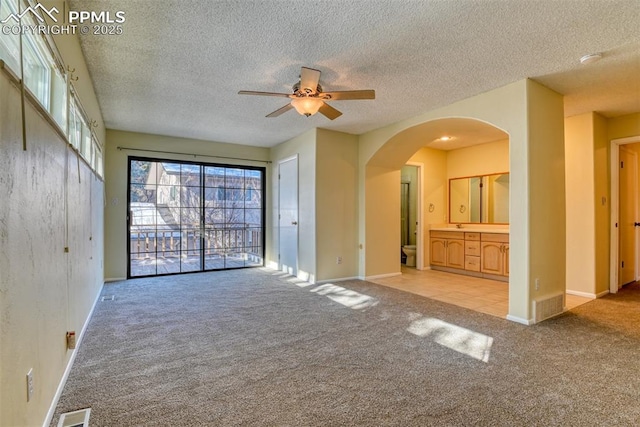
<point x="146" y="243"/>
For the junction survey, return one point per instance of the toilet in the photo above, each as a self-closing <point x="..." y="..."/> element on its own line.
<point x="410" y="252"/>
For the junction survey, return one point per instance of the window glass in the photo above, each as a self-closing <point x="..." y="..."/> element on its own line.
<point x="37" y="62"/>
<point x="85" y="144"/>
<point x="74" y="128"/>
<point x="59" y="99"/>
<point x="10" y="43"/>
<point x="97" y="158"/>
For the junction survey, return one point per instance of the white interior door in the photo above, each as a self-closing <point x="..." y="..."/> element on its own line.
<point x="288" y="215"/>
<point x="628" y="217"/>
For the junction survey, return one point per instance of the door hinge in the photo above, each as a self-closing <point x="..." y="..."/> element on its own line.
<point x="622" y="264"/>
<point x="278" y="256"/>
<point x="621" y="165"/>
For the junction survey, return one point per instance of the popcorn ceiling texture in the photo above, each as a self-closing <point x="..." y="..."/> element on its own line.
<point x="178" y="66"/>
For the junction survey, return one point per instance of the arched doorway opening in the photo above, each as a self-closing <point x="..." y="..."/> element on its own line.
<point x="442" y="149"/>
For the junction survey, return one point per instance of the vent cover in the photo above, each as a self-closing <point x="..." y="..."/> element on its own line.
<point x="548" y="307"/>
<point x="108" y="298"/>
<point x="75" y="419"/>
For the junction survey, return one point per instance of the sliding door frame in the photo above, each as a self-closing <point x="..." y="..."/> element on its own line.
<point x="201" y="208"/>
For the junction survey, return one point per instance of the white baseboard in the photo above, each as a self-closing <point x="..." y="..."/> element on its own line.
<point x="382" y="276"/>
<point x="114" y="279"/>
<point x="520" y="320"/>
<point x="587" y="294"/>
<point x="582" y="294"/>
<point x="67" y="371"/>
<point x="339" y="279"/>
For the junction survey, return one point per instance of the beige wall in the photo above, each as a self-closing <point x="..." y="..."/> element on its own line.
<point x="116" y="166"/>
<point x="532" y="116"/>
<point x="327" y="200"/>
<point x="580" y="202"/>
<point x="482" y="159"/>
<point x="336" y="205"/>
<point x="602" y="205"/>
<point x="587" y="144"/>
<point x="304" y="147"/>
<point x="624" y="126"/>
<point x="546" y="191"/>
<point x="434" y="190"/>
<point x="51" y="200"/>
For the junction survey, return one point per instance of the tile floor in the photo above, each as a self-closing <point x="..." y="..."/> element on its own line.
<point x="483" y="295"/>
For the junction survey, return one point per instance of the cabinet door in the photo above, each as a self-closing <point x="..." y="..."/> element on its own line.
<point x="439" y="252"/>
<point x="455" y="253"/>
<point x="505" y="263"/>
<point x="492" y="258"/>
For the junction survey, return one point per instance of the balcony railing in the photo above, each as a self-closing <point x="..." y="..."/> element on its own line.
<point x="165" y="251"/>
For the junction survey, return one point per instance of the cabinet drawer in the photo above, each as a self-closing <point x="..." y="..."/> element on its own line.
<point x="447" y="234"/>
<point x="472" y="248"/>
<point x="495" y="237"/>
<point x="472" y="263"/>
<point x="471" y="236"/>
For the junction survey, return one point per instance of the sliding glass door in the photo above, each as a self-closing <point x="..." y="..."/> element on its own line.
<point x="186" y="217"/>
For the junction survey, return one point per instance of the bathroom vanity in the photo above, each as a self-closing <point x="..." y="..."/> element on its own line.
<point x="474" y="252"/>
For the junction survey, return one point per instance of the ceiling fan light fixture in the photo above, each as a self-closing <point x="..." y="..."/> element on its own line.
<point x="307" y="106"/>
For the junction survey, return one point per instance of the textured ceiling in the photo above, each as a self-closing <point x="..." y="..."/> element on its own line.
<point x="179" y="65"/>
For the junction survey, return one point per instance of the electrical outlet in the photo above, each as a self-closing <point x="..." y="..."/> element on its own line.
<point x="537" y="284"/>
<point x="339" y="260"/>
<point x="29" y="384"/>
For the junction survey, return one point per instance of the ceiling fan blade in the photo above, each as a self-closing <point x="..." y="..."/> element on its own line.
<point x="350" y="94"/>
<point x="309" y="79"/>
<point x="253" y="92"/>
<point x="329" y="112"/>
<point x="280" y="111"/>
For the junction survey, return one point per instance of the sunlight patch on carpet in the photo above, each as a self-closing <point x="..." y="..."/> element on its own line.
<point x="457" y="338"/>
<point x="346" y="297"/>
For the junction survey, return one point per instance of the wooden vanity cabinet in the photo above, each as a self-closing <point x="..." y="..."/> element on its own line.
<point x="472" y="253"/>
<point x="447" y="249"/>
<point x="495" y="254"/>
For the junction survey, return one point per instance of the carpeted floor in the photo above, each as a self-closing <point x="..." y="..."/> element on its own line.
<point x="255" y="348"/>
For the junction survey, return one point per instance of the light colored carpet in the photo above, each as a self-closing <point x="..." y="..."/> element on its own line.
<point x="255" y="348"/>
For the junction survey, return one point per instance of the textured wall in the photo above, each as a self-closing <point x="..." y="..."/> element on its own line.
<point x="48" y="201"/>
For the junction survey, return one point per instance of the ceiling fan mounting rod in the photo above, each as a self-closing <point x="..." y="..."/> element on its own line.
<point x="298" y="91"/>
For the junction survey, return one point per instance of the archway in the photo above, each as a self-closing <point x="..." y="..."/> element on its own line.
<point x="532" y="116"/>
<point x="472" y="147"/>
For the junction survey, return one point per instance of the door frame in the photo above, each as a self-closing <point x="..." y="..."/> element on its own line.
<point x="419" y="216"/>
<point x="280" y="162"/>
<point x="201" y="207"/>
<point x="615" y="214"/>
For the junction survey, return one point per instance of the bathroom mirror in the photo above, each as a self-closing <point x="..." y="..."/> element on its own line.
<point x="479" y="199"/>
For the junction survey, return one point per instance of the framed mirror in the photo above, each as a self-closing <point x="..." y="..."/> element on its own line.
<point x="479" y="199"/>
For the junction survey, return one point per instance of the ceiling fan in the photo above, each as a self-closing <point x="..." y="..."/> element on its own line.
<point x="308" y="98"/>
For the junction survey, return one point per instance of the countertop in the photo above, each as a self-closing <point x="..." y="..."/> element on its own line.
<point x="472" y="229"/>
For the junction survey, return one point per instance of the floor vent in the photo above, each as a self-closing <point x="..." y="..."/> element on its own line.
<point x="548" y="307"/>
<point x="75" y="419"/>
<point x="108" y="298"/>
